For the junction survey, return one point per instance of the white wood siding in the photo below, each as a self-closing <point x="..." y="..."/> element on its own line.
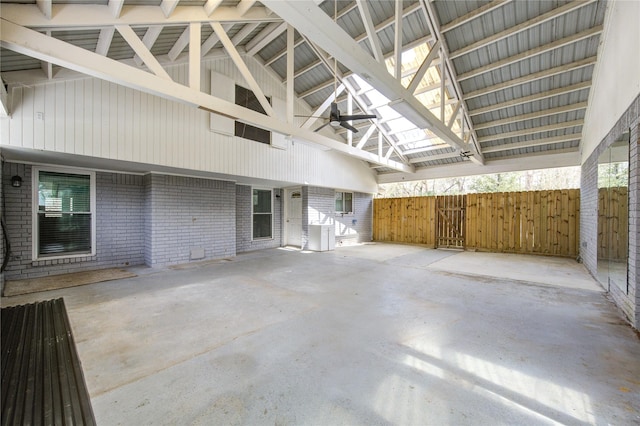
<point x="96" y="118"/>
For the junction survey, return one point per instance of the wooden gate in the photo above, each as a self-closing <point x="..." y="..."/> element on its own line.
<point x="450" y="227"/>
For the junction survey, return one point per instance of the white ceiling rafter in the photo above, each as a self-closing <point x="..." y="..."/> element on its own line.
<point x="32" y="43"/>
<point x="534" y="142"/>
<point x="532" y="130"/>
<point x="448" y="69"/>
<point x="212" y="40"/>
<point x="148" y="40"/>
<point x="243" y="33"/>
<point x="434" y="51"/>
<point x="104" y="40"/>
<point x="179" y="45"/>
<point x="45" y="7"/>
<point x="211" y="5"/>
<point x="532" y="115"/>
<point x="266" y="36"/>
<point x="244" y="6"/>
<point x="370" y="29"/>
<point x="474" y="14"/>
<point x="532" y="77"/>
<point x="540" y="19"/>
<point x="115" y="6"/>
<point x="168" y="6"/>
<point x="436" y="157"/>
<point x="242" y="67"/>
<point x="397" y="40"/>
<point x="322" y="107"/>
<point x="194" y="55"/>
<point x="90" y="16"/>
<point x="350" y="89"/>
<point x="141" y="50"/>
<point x="532" y="52"/>
<point x="531" y="98"/>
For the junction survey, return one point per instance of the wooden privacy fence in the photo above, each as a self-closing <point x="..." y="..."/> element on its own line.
<point x="536" y="222"/>
<point x="613" y="223"/>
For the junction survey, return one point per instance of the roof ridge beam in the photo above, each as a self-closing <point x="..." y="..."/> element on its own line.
<point x="535" y="97"/>
<point x="532" y="130"/>
<point x="537" y="114"/>
<point x="540" y="19"/>
<point x="532" y="52"/>
<point x="532" y="77"/>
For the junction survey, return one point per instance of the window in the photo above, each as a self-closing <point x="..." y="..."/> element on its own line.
<point x="64" y="213"/>
<point x="262" y="214"/>
<point x="344" y="202"/>
<point x="247" y="99"/>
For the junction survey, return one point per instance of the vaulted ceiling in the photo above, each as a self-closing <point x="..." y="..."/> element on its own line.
<point x="451" y="82"/>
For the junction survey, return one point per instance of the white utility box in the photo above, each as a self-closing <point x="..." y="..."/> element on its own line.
<point x="322" y="237"/>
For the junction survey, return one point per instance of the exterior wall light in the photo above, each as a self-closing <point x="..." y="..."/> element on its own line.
<point x="16" y="181"/>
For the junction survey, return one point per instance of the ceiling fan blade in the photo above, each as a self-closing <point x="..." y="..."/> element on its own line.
<point x="323" y="126"/>
<point x="357" y="117"/>
<point x="348" y="126"/>
<point x="334" y="110"/>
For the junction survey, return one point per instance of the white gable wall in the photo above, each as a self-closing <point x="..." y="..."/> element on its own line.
<point x="95" y="118"/>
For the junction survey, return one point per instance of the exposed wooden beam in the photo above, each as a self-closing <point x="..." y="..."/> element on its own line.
<point x="266" y="36"/>
<point x="104" y="41"/>
<point x="532" y="77"/>
<point x="531" y="116"/>
<point x="374" y="42"/>
<point x="148" y="40"/>
<point x="141" y="50"/>
<point x="532" y="131"/>
<point x="168" y="6"/>
<point x="4" y="100"/>
<point x="424" y="66"/>
<point x="179" y="45"/>
<point x="45" y="7"/>
<point x="211" y="5"/>
<point x="454" y="115"/>
<point x="90" y="16"/>
<point x="244" y="6"/>
<point x="243" y="33"/>
<point x="532" y="52"/>
<point x="290" y="80"/>
<point x="540" y="19"/>
<point x="115" y="7"/>
<point x="365" y="137"/>
<point x="474" y="14"/>
<point x="436" y="157"/>
<point x="194" y="55"/>
<point x="531" y="98"/>
<point x="533" y="142"/>
<point x="39" y="46"/>
<point x="397" y="41"/>
<point x="242" y="67"/>
<point x="212" y="40"/>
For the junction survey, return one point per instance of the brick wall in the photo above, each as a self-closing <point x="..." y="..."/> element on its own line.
<point x="244" y="221"/>
<point x="628" y="301"/>
<point x="188" y="215"/>
<point x="119" y="219"/>
<point x="356" y="227"/>
<point x="318" y="207"/>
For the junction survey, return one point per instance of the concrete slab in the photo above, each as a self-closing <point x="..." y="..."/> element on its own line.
<point x="546" y="270"/>
<point x="349" y="337"/>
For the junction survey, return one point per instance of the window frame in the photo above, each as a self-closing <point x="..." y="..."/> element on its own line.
<point x="236" y="122"/>
<point x="35" y="231"/>
<point x="257" y="188"/>
<point x="353" y="198"/>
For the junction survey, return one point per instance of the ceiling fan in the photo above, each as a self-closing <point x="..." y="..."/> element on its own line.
<point x="336" y="119"/>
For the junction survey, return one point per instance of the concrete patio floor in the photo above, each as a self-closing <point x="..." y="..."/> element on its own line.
<point x="372" y="334"/>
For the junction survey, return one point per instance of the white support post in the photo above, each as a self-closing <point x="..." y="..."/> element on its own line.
<point x="194" y="55"/>
<point x="47" y="67"/>
<point x="379" y="144"/>
<point x="242" y="67"/>
<point x="443" y="80"/>
<point x="398" y="40"/>
<point x="290" y="72"/>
